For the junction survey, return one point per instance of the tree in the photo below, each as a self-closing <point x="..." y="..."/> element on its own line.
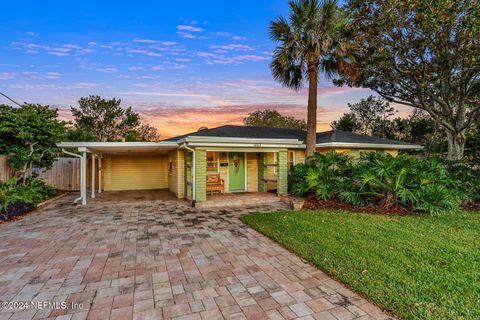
<point x="371" y="116"/>
<point x="28" y="135"/>
<point x="106" y="120"/>
<point x="144" y="132"/>
<point x="420" y="53"/>
<point x="309" y="42"/>
<point x="273" y="119"/>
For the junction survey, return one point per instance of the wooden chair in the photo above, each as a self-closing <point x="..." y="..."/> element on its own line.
<point x="214" y="183"/>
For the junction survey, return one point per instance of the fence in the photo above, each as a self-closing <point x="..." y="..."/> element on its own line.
<point x="64" y="174"/>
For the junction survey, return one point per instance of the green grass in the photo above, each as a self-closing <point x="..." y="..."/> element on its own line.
<point x="419" y="267"/>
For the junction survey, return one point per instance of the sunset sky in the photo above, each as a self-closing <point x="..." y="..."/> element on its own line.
<point x="180" y="64"/>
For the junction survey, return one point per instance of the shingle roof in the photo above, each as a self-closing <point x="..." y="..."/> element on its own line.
<point x="230" y="131"/>
<point x="350" y="137"/>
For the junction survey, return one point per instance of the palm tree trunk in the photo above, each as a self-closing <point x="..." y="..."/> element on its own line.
<point x="311" y="113"/>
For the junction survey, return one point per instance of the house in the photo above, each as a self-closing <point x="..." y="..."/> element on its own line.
<point x="245" y="159"/>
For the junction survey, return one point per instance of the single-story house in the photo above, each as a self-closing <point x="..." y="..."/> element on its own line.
<point x="230" y="158"/>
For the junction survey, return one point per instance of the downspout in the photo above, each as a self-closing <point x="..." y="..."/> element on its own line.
<point x="81" y="160"/>
<point x="193" y="171"/>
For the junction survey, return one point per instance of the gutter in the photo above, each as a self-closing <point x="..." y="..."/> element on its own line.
<point x="185" y="146"/>
<point x="81" y="159"/>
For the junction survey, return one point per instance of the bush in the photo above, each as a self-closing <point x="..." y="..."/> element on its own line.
<point x="391" y="181"/>
<point x="465" y="177"/>
<point x="325" y="178"/>
<point x="16" y="194"/>
<point x="380" y="179"/>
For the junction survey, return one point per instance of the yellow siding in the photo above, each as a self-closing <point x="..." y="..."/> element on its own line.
<point x="392" y="152"/>
<point x="299" y="156"/>
<point x="136" y="172"/>
<point x="252" y="172"/>
<point x="271" y="158"/>
<point x="176" y="178"/>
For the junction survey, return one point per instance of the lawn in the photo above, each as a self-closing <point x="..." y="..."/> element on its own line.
<point x="416" y="267"/>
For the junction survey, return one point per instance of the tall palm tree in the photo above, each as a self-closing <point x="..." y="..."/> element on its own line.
<point x="309" y="42"/>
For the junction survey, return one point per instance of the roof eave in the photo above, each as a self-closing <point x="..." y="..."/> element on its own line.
<point x="369" y="145"/>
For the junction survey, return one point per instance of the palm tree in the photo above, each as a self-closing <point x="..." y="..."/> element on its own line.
<point x="309" y="43"/>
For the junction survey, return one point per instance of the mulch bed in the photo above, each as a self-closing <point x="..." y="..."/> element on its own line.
<point x="313" y="203"/>
<point x="471" y="206"/>
<point x="15" y="210"/>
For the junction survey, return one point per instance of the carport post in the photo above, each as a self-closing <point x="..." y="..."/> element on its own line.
<point x="83" y="178"/>
<point x="93" y="175"/>
<point x="100" y="174"/>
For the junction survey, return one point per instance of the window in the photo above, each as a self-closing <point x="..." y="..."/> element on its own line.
<point x="290" y="159"/>
<point x="170" y="167"/>
<point x="212" y="162"/>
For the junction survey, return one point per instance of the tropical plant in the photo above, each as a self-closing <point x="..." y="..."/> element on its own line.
<point x="325" y="177"/>
<point x="391" y="181"/>
<point x="310" y="41"/>
<point x="465" y="177"/>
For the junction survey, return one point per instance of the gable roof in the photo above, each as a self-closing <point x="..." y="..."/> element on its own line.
<point x="327" y="138"/>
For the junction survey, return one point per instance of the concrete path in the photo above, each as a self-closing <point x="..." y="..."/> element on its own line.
<point x="143" y="259"/>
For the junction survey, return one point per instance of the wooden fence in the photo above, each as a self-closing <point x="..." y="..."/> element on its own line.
<point x="64" y="174"/>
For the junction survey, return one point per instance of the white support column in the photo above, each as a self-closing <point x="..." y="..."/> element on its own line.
<point x="100" y="174"/>
<point x="83" y="178"/>
<point x="93" y="175"/>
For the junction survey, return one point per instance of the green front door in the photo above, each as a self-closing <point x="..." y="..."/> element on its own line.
<point x="236" y="171"/>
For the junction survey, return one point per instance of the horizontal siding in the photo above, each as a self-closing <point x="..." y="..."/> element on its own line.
<point x="138" y="172"/>
<point x="252" y="172"/>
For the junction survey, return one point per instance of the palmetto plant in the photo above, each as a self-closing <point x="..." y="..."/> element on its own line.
<point x="325" y="177"/>
<point x="391" y="181"/>
<point x="310" y="41"/>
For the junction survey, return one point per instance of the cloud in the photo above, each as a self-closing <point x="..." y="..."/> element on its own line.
<point x="55" y="86"/>
<point x="107" y="70"/>
<point x="173" y="120"/>
<point x="163" y="94"/>
<point x="233" y="47"/>
<point x="189" y="28"/>
<point x="7" y="75"/>
<point x="32" y="34"/>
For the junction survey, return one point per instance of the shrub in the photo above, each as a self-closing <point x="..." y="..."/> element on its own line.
<point x="391" y="181"/>
<point x="380" y="179"/>
<point x="325" y="177"/>
<point x="32" y="192"/>
<point x="464" y="176"/>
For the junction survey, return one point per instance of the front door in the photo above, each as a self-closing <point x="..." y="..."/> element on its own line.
<point x="236" y="171"/>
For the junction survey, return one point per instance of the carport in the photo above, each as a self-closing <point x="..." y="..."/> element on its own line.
<point x="119" y="166"/>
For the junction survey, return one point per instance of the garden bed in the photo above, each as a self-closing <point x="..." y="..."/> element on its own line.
<point x="313" y="203"/>
<point x="20" y="209"/>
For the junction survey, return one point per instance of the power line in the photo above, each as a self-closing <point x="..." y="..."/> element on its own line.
<point x="1" y="93"/>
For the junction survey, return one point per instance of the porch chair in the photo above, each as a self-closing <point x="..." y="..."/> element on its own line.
<point x="214" y="183"/>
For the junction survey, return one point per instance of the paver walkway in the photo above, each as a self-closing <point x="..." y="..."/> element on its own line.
<point x="159" y="260"/>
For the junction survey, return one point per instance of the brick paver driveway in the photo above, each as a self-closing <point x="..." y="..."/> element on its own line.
<point x="159" y="259"/>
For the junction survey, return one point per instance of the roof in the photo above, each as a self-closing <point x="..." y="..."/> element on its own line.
<point x="245" y="136"/>
<point x="350" y="137"/>
<point x="229" y="131"/>
<point x="328" y="138"/>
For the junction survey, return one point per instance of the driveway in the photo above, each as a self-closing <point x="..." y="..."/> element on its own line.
<point x="146" y="259"/>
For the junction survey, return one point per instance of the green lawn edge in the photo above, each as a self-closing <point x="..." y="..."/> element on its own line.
<point x="419" y="267"/>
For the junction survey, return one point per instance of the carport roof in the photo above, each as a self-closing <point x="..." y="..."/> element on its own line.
<point x="121" y="147"/>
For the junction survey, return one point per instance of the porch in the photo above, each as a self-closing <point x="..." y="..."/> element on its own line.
<point x="245" y="200"/>
<point x="239" y="175"/>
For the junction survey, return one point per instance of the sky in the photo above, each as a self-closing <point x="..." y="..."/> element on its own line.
<point x="180" y="64"/>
